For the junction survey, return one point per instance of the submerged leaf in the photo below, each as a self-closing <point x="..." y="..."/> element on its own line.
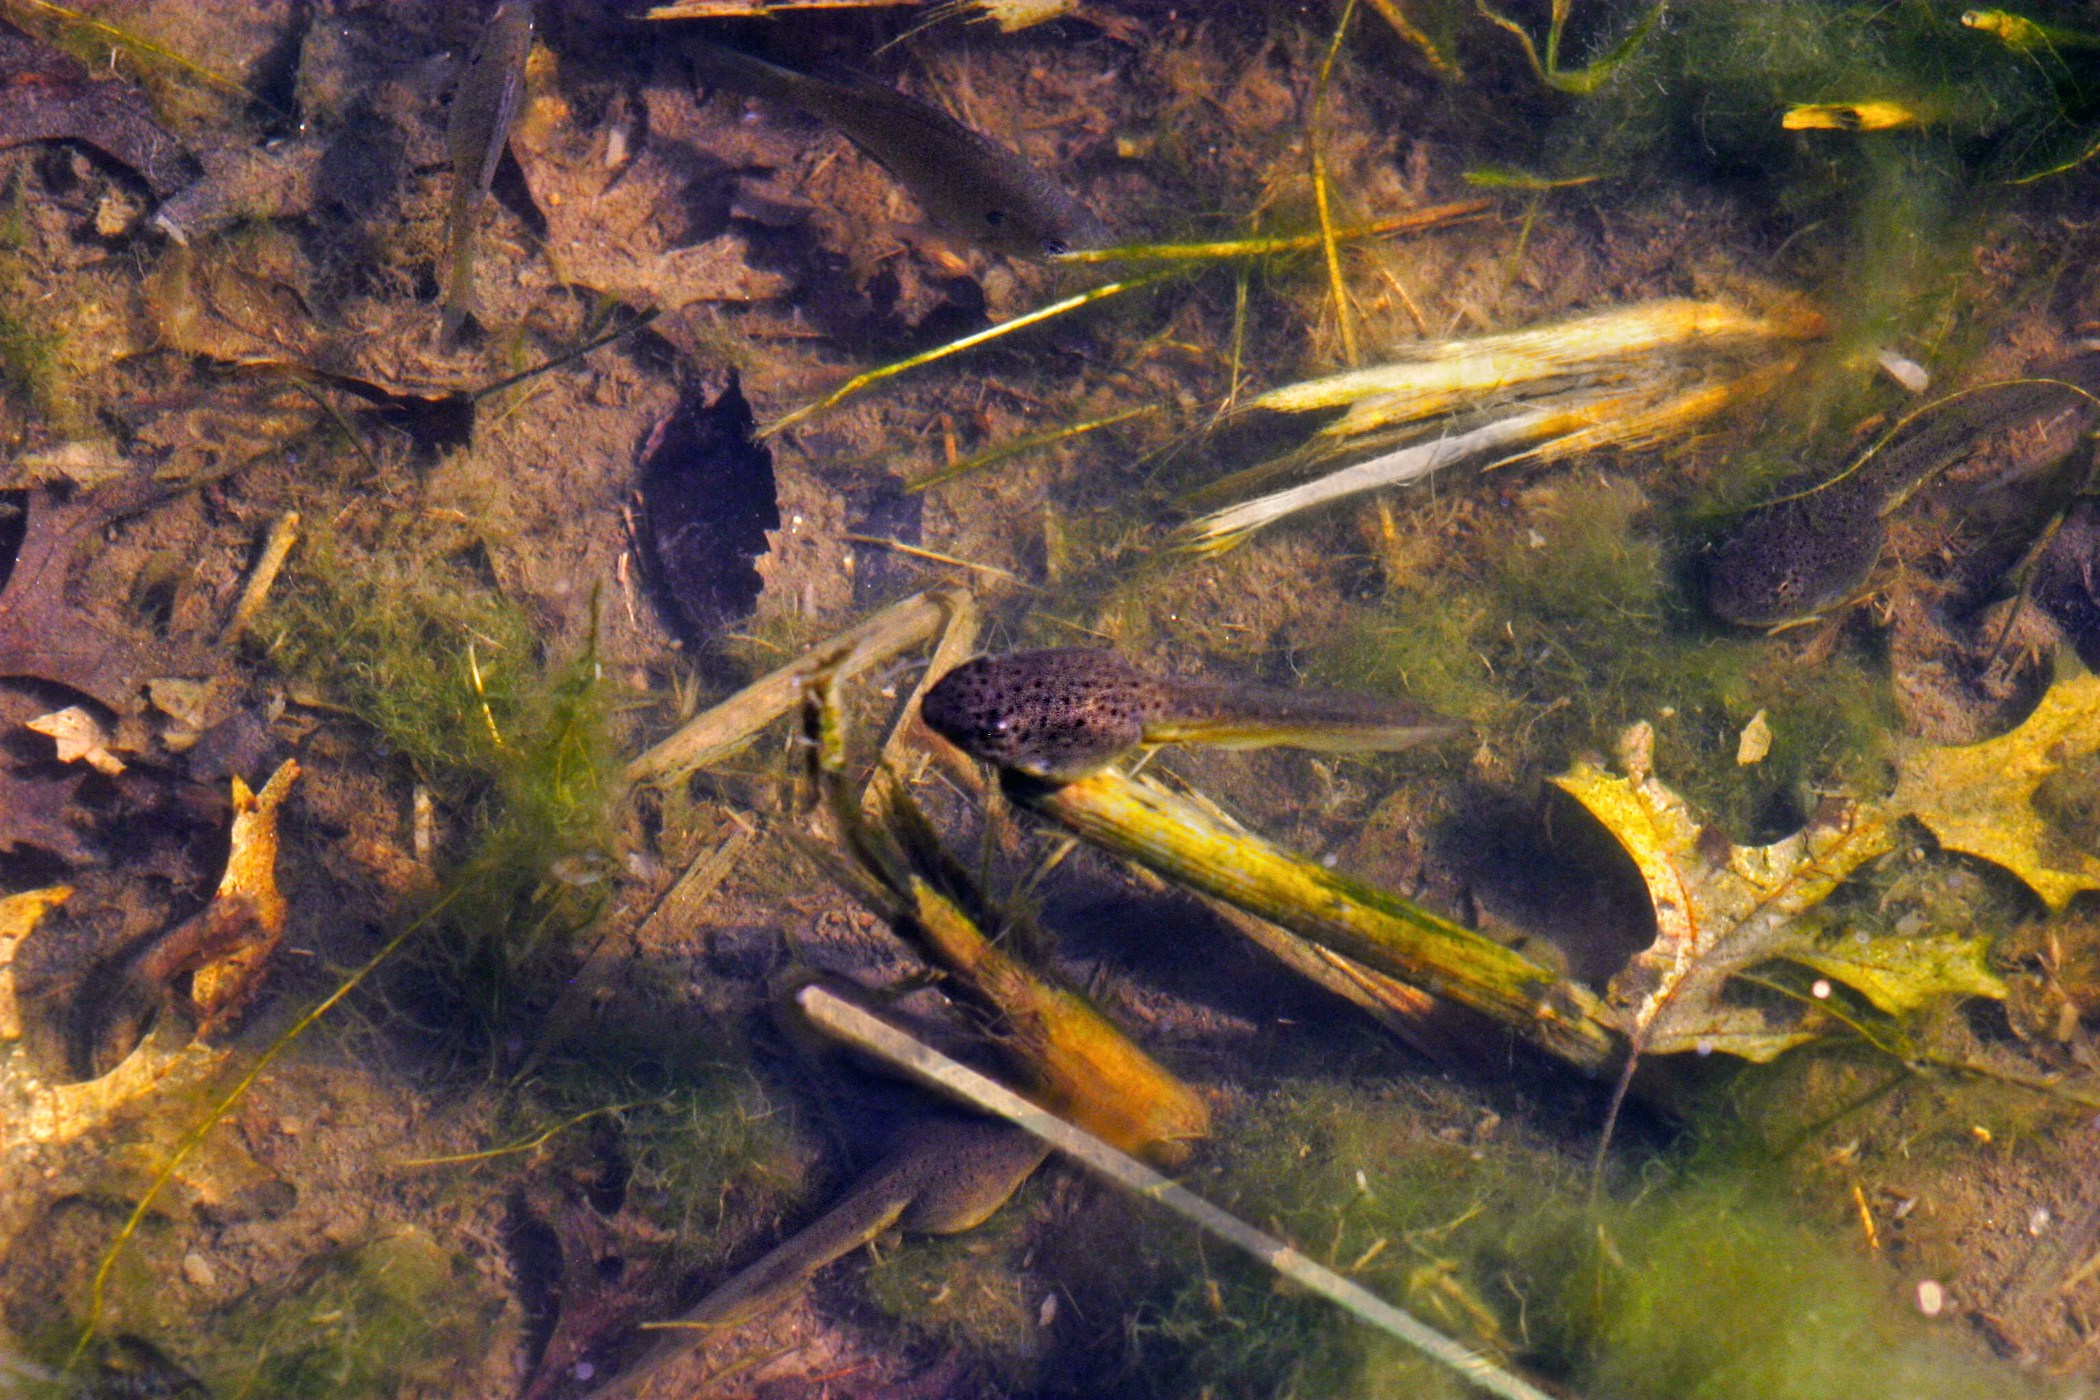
<point x="44" y="636"/>
<point x="1721" y="908"/>
<point x="1980" y="799"/>
<point x="46" y="95"/>
<point x="33" y="812"/>
<point x="708" y="500"/>
<point x="79" y="737"/>
<point x="275" y="181"/>
<point x="222" y="987"/>
<point x="2067" y="579"/>
<point x="225" y="947"/>
<point x="19" y="916"/>
<point x="1900" y="975"/>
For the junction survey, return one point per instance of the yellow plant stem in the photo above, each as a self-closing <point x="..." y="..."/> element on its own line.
<point x="1075" y="1058"/>
<point x="991" y="456"/>
<point x="955" y="347"/>
<point x="1084" y="1068"/>
<point x="538" y="1140"/>
<point x="1336" y="285"/>
<point x="132" y="43"/>
<point x="1407" y="29"/>
<point x="277" y="547"/>
<point x="1224" y="249"/>
<point x="1901" y="498"/>
<point x="1143" y="823"/>
<point x="1576" y="82"/>
<point x="934" y="556"/>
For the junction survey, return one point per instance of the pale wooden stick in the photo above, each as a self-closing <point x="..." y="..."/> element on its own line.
<point x="846" y="1022"/>
<point x="718" y="731"/>
<point x="284" y="533"/>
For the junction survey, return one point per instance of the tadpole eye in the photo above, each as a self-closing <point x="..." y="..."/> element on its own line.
<point x="1056" y="247"/>
<point x="995" y="217"/>
<point x="1000" y="726"/>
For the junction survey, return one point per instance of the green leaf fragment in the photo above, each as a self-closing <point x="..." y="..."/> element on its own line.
<point x="1900" y="975"/>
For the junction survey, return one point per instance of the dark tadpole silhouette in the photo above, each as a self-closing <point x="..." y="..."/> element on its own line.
<point x="2067" y="579"/>
<point x="708" y="498"/>
<point x="1818" y="544"/>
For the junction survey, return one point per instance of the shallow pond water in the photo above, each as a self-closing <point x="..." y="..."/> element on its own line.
<point x="1595" y="505"/>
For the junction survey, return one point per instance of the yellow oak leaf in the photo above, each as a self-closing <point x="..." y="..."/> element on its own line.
<point x="1981" y="799"/>
<point x="19" y="916"/>
<point x="1722" y="909"/>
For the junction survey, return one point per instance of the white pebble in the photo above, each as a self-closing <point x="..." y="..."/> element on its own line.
<point x="1905" y="371"/>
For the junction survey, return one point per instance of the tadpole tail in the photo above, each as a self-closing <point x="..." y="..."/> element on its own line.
<point x="753" y="76"/>
<point x="459" y="276"/>
<point x="484" y="108"/>
<point x="773" y="1279"/>
<point x="1250" y="717"/>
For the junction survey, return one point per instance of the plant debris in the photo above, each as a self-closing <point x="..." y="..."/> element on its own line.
<point x="80" y="738"/>
<point x="224" y="985"/>
<point x="19" y="916"/>
<point x="47" y="96"/>
<point x="1722" y="909"/>
<point x="45" y="637"/>
<point x="224" y="949"/>
<point x="1631" y="377"/>
<point x="709" y="504"/>
<point x="525" y="1085"/>
<point x="36" y="810"/>
<point x="1988" y="799"/>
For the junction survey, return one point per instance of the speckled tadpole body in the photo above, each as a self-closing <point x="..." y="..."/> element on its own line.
<point x="1063" y="713"/>
<point x="1816" y="546"/>
<point x="484" y="108"/>
<point x="972" y="185"/>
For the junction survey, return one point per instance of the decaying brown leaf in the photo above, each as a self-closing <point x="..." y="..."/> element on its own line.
<point x="46" y="95"/>
<point x="1722" y="909"/>
<point x="19" y="916"/>
<point x="258" y="182"/>
<point x="626" y="228"/>
<point x="1980" y="799"/>
<point x="247" y="895"/>
<point x="193" y="438"/>
<point x="225" y="947"/>
<point x="33" y="812"/>
<point x="44" y="636"/>
<point x="83" y="463"/>
<point x="595" y="1306"/>
<point x="34" y="1112"/>
<point x="243" y="309"/>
